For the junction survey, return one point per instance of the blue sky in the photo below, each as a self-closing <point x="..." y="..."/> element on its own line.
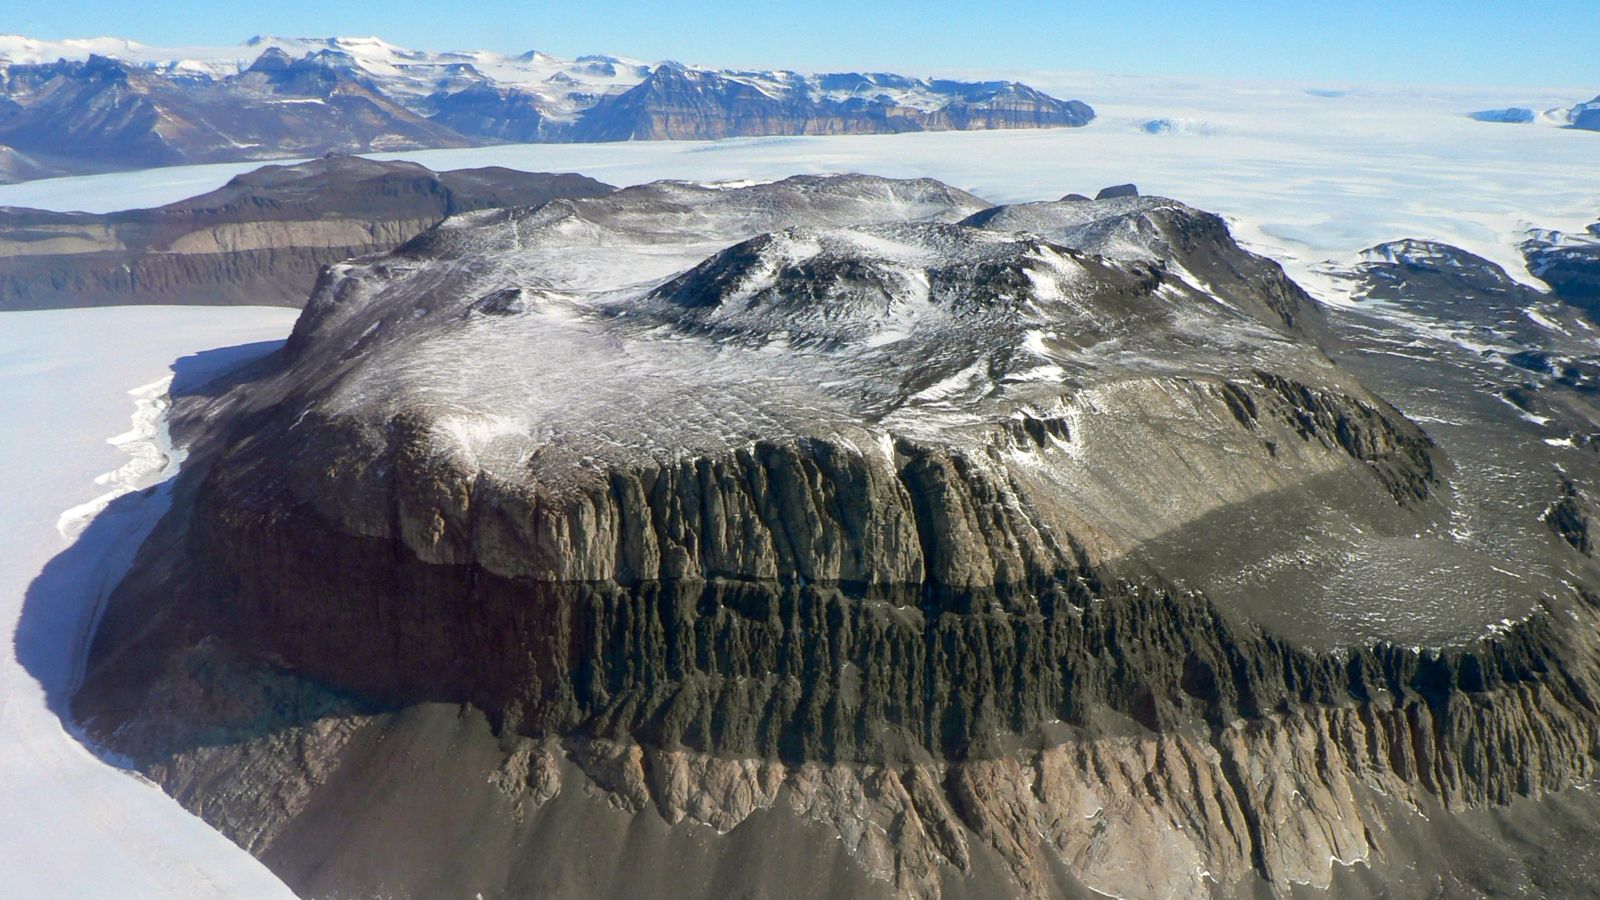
<point x="1509" y="42"/>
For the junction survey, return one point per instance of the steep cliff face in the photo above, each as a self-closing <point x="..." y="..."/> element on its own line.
<point x="1570" y="264"/>
<point x="801" y="511"/>
<point x="675" y="103"/>
<point x="1586" y="115"/>
<point x="495" y="113"/>
<point x="260" y="239"/>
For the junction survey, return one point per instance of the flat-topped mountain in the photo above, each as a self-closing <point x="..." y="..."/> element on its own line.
<point x="260" y="239"/>
<point x="1586" y="115"/>
<point x="843" y="536"/>
<point x="89" y="106"/>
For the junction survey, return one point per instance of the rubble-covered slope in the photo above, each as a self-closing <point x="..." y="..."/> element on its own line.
<point x="812" y="510"/>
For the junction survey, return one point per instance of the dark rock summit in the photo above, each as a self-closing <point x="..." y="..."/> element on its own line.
<point x="1569" y="264"/>
<point x="838" y="535"/>
<point x="102" y="114"/>
<point x="1193" y="243"/>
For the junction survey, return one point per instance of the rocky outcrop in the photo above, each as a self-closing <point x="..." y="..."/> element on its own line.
<point x="1569" y="264"/>
<point x="1195" y="243"/>
<point x="1572" y="518"/>
<point x="260" y="239"/>
<point x="1117" y="190"/>
<point x="1513" y="115"/>
<point x="841" y="531"/>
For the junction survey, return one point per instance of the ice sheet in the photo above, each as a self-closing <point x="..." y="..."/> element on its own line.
<point x="79" y="394"/>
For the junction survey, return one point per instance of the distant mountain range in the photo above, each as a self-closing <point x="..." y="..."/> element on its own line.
<point x="1583" y="116"/>
<point x="109" y="104"/>
<point x="1586" y="115"/>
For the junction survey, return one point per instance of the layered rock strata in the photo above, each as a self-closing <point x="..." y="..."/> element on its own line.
<point x="260" y="239"/>
<point x="801" y="510"/>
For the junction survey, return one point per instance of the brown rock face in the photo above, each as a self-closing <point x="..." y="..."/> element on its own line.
<point x="831" y="561"/>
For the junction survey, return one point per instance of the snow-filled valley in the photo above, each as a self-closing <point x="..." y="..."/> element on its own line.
<point x="1307" y="174"/>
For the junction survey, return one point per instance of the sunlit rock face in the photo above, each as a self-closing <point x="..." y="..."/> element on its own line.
<point x="898" y="542"/>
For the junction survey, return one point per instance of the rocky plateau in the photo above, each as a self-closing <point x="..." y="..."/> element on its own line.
<point x="846" y="536"/>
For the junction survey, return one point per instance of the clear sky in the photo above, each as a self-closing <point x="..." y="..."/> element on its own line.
<point x="1508" y="42"/>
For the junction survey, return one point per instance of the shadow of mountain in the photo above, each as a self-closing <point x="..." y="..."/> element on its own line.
<point x="63" y="603"/>
<point x="209" y="373"/>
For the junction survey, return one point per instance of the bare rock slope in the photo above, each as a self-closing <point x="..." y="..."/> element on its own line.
<point x="826" y="537"/>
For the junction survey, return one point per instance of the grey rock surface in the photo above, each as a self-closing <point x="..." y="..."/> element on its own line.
<point x="1117" y="190"/>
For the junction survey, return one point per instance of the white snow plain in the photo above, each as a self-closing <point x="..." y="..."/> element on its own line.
<point x="71" y="825"/>
<point x="1309" y="174"/>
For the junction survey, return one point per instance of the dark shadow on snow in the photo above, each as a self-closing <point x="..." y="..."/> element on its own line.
<point x="63" y="603"/>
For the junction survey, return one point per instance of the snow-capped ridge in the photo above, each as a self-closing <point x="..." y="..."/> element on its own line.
<point x="564" y="88"/>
